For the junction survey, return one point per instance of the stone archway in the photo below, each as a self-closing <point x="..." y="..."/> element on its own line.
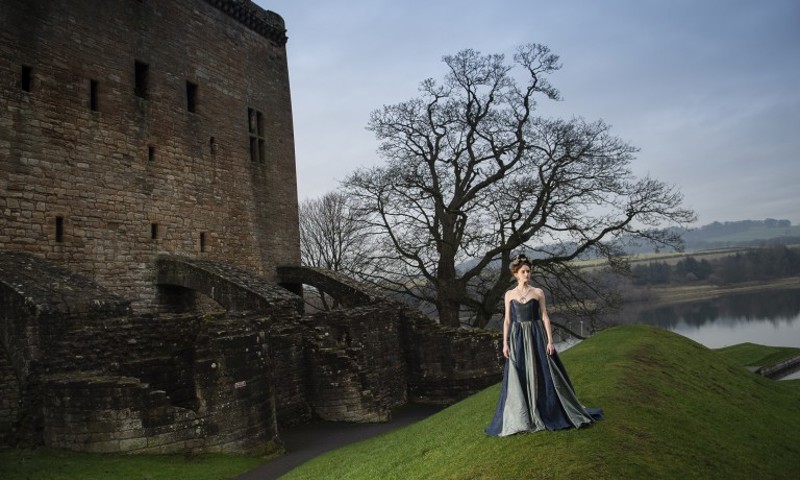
<point x="230" y="287"/>
<point x="347" y="291"/>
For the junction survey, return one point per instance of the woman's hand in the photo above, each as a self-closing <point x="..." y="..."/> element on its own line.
<point x="550" y="348"/>
<point x="505" y="350"/>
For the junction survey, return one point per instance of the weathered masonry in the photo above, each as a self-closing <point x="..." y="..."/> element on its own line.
<point x="132" y="128"/>
<point x="149" y="246"/>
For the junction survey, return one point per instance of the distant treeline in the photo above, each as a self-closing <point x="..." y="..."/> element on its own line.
<point x="716" y="229"/>
<point x="741" y="234"/>
<point x="751" y="265"/>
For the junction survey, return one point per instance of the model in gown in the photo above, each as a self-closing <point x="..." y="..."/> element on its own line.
<point x="536" y="393"/>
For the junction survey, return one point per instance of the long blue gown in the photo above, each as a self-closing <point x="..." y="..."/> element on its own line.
<point x="536" y="393"/>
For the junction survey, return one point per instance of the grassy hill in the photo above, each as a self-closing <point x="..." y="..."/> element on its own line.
<point x="674" y="409"/>
<point x="750" y="354"/>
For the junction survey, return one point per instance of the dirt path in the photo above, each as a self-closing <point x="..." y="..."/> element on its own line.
<point x="308" y="441"/>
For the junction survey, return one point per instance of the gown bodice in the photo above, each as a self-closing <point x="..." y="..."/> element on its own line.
<point x="524" y="312"/>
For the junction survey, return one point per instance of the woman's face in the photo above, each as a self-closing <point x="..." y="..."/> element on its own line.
<point x="523" y="274"/>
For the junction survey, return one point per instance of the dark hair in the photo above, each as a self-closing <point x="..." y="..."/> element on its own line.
<point x="518" y="262"/>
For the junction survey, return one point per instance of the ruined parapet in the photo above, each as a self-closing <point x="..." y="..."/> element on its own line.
<point x="448" y="364"/>
<point x="39" y="303"/>
<point x="376" y="336"/>
<point x="102" y="379"/>
<point x="357" y="370"/>
<point x="175" y="383"/>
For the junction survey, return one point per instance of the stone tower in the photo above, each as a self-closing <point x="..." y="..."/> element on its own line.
<point x="132" y="128"/>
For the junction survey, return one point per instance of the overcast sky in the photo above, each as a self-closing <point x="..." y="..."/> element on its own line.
<point x="707" y="89"/>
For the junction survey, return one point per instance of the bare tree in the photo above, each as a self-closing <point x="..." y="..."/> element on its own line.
<point x="471" y="176"/>
<point x="332" y="237"/>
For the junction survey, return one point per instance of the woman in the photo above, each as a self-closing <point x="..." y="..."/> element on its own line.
<point x="536" y="393"/>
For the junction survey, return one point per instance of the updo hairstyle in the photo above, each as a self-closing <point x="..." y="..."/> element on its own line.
<point x="518" y="262"/>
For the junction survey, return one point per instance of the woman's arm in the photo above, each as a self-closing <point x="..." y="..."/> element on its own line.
<point x="545" y="320"/>
<point x="506" y="322"/>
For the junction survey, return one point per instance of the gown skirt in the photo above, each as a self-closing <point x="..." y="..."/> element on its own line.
<point x="536" y="393"/>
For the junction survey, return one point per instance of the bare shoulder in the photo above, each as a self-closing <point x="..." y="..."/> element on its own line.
<point x="509" y="294"/>
<point x="538" y="293"/>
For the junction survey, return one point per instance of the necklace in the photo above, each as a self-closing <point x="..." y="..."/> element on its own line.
<point x="523" y="293"/>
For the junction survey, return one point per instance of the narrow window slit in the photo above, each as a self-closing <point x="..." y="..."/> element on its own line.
<point x="93" y="95"/>
<point x="141" y="71"/>
<point x="191" y="96"/>
<point x="27" y="78"/>
<point x="59" y="229"/>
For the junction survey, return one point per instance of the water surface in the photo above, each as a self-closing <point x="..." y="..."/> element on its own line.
<point x="765" y="318"/>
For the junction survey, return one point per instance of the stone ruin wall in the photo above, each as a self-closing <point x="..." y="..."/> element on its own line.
<point x="102" y="380"/>
<point x="447" y="364"/>
<point x="357" y="361"/>
<point x="10" y="399"/>
<point x="89" y="376"/>
<point x="95" y="177"/>
<point x="174" y="384"/>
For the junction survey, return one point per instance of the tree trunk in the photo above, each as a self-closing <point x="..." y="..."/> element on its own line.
<point x="448" y="311"/>
<point x="482" y="318"/>
<point x="448" y="290"/>
<point x="488" y="309"/>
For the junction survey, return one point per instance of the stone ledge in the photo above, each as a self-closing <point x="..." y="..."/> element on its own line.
<point x="49" y="290"/>
<point x="266" y="23"/>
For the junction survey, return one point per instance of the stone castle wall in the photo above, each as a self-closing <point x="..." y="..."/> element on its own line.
<point x="147" y="166"/>
<point x="100" y="177"/>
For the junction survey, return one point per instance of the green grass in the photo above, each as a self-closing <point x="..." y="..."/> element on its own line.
<point x="750" y="354"/>
<point x="674" y="409"/>
<point x="47" y="464"/>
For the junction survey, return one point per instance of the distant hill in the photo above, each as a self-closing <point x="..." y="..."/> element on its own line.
<point x="742" y="233"/>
